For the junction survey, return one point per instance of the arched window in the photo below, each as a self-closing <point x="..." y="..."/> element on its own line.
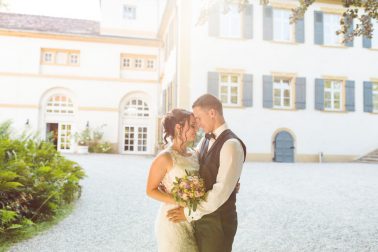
<point x="136" y="107"/>
<point x="60" y="104"/>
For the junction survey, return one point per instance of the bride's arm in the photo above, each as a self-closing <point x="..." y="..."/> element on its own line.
<point x="158" y="169"/>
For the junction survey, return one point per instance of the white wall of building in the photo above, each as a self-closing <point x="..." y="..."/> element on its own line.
<point x="334" y="133"/>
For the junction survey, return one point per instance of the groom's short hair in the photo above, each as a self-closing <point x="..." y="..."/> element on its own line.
<point x="209" y="101"/>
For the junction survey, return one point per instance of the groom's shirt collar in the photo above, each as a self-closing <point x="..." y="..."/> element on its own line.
<point x="220" y="129"/>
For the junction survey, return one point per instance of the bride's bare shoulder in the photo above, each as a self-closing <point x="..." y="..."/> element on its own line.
<point x="164" y="157"/>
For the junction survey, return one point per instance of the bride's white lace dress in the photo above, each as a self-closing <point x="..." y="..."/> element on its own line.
<point x="176" y="237"/>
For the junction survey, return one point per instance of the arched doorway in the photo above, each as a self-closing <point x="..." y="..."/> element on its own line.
<point x="58" y="119"/>
<point x="136" y="125"/>
<point x="284" y="147"/>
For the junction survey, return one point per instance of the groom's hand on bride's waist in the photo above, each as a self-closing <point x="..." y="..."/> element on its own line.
<point x="237" y="187"/>
<point x="176" y="215"/>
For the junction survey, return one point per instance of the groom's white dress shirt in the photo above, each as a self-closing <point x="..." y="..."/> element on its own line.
<point x="230" y="166"/>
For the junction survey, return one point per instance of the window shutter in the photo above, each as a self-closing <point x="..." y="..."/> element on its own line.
<point x="248" y="22"/>
<point x="318" y="28"/>
<point x="214" y="21"/>
<point x="300" y="93"/>
<point x="267" y="91"/>
<point x="300" y="31"/>
<point x="268" y="23"/>
<point x="319" y="94"/>
<point x="247" y="90"/>
<point x="349" y="94"/>
<point x="350" y="31"/>
<point x="368" y="96"/>
<point x="213" y="83"/>
<point x="164" y="102"/>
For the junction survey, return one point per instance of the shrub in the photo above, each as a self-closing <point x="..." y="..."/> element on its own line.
<point x="35" y="180"/>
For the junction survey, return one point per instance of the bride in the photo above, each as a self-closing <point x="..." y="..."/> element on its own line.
<point x="180" y="126"/>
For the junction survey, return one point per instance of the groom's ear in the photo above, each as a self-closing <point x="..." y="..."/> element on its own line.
<point x="212" y="113"/>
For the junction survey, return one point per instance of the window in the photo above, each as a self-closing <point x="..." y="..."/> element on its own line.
<point x="230" y="22"/>
<point x="129" y="12"/>
<point x="331" y="25"/>
<point x="59" y="104"/>
<point x="333" y="90"/>
<point x="136" y="107"/>
<point x="375" y="97"/>
<point x="126" y="62"/>
<point x="142" y="138"/>
<point x="282" y="29"/>
<point x="150" y="64"/>
<point x="48" y="57"/>
<point x="282" y="93"/>
<point x="60" y="57"/>
<point x="138" y="62"/>
<point x="230" y="89"/>
<point x="73" y="59"/>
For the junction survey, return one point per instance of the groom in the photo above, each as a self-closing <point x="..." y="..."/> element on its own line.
<point x="221" y="158"/>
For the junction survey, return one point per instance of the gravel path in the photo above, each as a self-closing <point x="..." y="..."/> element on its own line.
<point x="282" y="207"/>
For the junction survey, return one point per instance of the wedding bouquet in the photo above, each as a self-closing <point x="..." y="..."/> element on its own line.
<point x="189" y="190"/>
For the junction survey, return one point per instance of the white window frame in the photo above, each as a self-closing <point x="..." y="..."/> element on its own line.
<point x="231" y="22"/>
<point x="58" y="106"/>
<point x="64" y="137"/>
<point x="279" y="84"/>
<point x="73" y="59"/>
<point x="150" y="64"/>
<point x="137" y="142"/>
<point x="282" y="29"/>
<point x="375" y="96"/>
<point x="331" y="25"/>
<point x="229" y="85"/>
<point x="129" y="12"/>
<point x="136" y="110"/>
<point x="68" y="55"/>
<point x="333" y="91"/>
<point x="138" y="63"/>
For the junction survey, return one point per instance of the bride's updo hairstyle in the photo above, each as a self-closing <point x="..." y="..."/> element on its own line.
<point x="175" y="116"/>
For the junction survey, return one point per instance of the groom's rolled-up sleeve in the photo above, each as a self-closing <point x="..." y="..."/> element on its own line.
<point x="231" y="161"/>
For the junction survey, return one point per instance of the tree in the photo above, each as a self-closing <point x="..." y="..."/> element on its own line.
<point x="362" y="11"/>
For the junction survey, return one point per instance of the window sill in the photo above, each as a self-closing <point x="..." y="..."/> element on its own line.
<point x="284" y="109"/>
<point x="284" y="42"/>
<point x="232" y="38"/>
<point x="335" y="46"/>
<point x="335" y="111"/>
<point x="229" y="106"/>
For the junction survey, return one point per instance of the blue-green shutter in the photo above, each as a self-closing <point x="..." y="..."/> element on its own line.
<point x="213" y="83"/>
<point x="366" y="42"/>
<point x="164" y="102"/>
<point x="300" y="93"/>
<point x="247" y="90"/>
<point x="349" y="95"/>
<point x="350" y="31"/>
<point x="300" y="31"/>
<point x="319" y="94"/>
<point x="248" y="21"/>
<point x="268" y="23"/>
<point x="318" y="28"/>
<point x="214" y="21"/>
<point x="368" y="96"/>
<point x="267" y="91"/>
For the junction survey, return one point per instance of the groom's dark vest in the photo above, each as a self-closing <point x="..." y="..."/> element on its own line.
<point x="209" y="166"/>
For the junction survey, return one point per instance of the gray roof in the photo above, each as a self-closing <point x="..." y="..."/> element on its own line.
<point x="25" y="22"/>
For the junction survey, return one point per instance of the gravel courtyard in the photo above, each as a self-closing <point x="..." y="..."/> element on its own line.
<point x="282" y="207"/>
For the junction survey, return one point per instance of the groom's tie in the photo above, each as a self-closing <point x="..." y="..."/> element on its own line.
<point x="205" y="146"/>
